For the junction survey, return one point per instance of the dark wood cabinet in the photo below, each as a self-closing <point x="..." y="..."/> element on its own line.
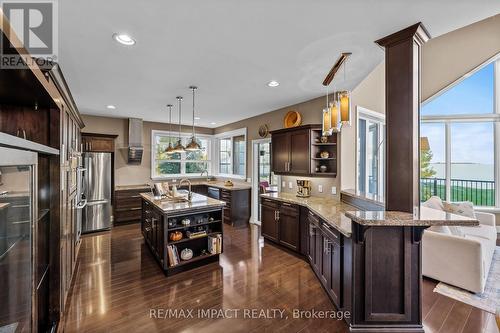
<point x="291" y="151"/>
<point x="280" y="155"/>
<point x="153" y="229"/>
<point x="288" y="221"/>
<point x="281" y="223"/>
<point x="299" y="151"/>
<point x="127" y="207"/>
<point x="95" y="142"/>
<point x="237" y="209"/>
<point x="303" y="231"/>
<point x="269" y="221"/>
<point x="300" y="155"/>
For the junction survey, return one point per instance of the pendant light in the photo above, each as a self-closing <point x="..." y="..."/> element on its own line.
<point x="193" y="144"/>
<point x="170" y="148"/>
<point x="179" y="148"/>
<point x="345" y="104"/>
<point x="327" y="121"/>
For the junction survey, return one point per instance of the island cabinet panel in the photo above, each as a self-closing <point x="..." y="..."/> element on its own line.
<point x="281" y="223"/>
<point x="170" y="232"/>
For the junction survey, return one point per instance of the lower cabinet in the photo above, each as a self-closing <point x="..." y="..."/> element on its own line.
<point x="321" y="244"/>
<point x="281" y="223"/>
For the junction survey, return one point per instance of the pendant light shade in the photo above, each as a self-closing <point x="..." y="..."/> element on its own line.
<point x="170" y="148"/>
<point x="179" y="148"/>
<point x="335" y="122"/>
<point x="193" y="144"/>
<point x="345" y="107"/>
<point x="326" y="121"/>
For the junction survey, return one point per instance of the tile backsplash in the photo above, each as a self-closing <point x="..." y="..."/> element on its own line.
<point x="325" y="183"/>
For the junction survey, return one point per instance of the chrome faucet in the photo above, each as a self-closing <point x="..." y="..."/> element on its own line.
<point x="205" y="171"/>
<point x="185" y="180"/>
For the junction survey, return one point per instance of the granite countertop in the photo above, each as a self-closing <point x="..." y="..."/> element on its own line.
<point x="330" y="210"/>
<point x="131" y="187"/>
<point x="198" y="201"/>
<point x="364" y="196"/>
<point x="220" y="184"/>
<point x="4" y="205"/>
<point x="426" y="218"/>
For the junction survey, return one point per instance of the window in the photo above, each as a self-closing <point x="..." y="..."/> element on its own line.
<point x="370" y="152"/>
<point x="189" y="164"/>
<point x="458" y="131"/>
<point x="232" y="154"/>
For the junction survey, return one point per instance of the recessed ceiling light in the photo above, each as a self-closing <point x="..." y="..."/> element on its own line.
<point x="124" y="39"/>
<point x="213" y="123"/>
<point x="273" y="83"/>
<point x="111" y="107"/>
<point x="197" y="118"/>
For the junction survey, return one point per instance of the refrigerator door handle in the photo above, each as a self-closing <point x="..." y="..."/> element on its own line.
<point x="96" y="202"/>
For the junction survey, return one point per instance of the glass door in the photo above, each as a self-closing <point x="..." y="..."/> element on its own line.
<point x="18" y="171"/>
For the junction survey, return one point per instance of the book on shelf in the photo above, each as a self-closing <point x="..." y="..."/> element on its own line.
<point x="173" y="255"/>
<point x="215" y="244"/>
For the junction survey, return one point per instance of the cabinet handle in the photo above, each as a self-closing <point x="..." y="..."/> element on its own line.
<point x="278" y="214"/>
<point x="286" y="204"/>
<point x="275" y="215"/>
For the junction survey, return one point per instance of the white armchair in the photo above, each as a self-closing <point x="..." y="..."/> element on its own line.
<point x="461" y="260"/>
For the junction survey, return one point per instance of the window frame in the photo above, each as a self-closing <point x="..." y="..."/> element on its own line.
<point x="225" y="135"/>
<point x="379" y="118"/>
<point x="183" y="161"/>
<point x="493" y="118"/>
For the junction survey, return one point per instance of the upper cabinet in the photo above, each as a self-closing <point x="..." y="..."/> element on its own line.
<point x="94" y="142"/>
<point x="299" y="151"/>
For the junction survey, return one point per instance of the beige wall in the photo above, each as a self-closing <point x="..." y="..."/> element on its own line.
<point x="311" y="114"/>
<point x="369" y="94"/>
<point x="129" y="174"/>
<point x="450" y="56"/>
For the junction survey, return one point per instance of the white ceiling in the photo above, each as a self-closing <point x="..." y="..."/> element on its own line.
<point x="231" y="49"/>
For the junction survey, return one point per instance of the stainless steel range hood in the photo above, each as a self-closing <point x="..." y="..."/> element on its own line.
<point x="135" y="148"/>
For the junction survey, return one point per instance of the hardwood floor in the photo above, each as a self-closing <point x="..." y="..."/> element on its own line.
<point x="119" y="286"/>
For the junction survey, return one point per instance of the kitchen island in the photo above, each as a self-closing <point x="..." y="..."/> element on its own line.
<point x="182" y="234"/>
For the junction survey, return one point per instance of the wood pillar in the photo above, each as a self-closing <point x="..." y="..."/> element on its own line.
<point x="402" y="104"/>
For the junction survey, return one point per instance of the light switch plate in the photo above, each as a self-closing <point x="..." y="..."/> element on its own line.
<point x="290" y="185"/>
<point x="334" y="190"/>
<point x="320" y="188"/>
<point x="283" y="184"/>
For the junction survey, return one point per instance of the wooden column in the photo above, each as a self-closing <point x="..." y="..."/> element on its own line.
<point x="402" y="102"/>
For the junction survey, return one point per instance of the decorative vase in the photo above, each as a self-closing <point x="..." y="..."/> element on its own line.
<point x="324" y="154"/>
<point x="323" y="168"/>
<point x="186" y="254"/>
<point x="324" y="139"/>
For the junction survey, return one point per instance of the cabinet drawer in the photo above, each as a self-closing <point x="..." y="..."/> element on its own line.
<point x="127" y="215"/>
<point x="268" y="202"/>
<point x="313" y="218"/>
<point x="289" y="209"/>
<point x="128" y="202"/>
<point x="331" y="233"/>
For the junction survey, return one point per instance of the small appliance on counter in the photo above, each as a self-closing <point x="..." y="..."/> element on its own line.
<point x="303" y="188"/>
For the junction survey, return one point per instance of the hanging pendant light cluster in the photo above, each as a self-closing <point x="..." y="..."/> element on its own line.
<point x="193" y="145"/>
<point x="338" y="112"/>
<point x="170" y="148"/>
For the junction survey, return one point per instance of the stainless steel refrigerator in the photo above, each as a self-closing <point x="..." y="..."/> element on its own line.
<point x="97" y="192"/>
